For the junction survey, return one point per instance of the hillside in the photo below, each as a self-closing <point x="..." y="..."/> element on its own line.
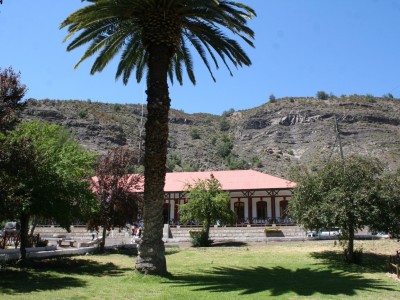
<point x="270" y="138"/>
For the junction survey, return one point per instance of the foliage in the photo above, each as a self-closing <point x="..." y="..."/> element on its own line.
<point x="387" y="212"/>
<point x="343" y="194"/>
<point x="173" y="161"/>
<point x="44" y="173"/>
<point x="195" y="134"/>
<point x="11" y="94"/>
<point x="235" y="163"/>
<point x="83" y="113"/>
<point x="321" y="95"/>
<point x="153" y="37"/>
<point x="200" y="238"/>
<point x="116" y="191"/>
<point x="272" y="98"/>
<point x="224" y="124"/>
<point x="370" y="98"/>
<point x="207" y="204"/>
<point x="256" y="162"/>
<point x="224" y="146"/>
<point x="228" y="113"/>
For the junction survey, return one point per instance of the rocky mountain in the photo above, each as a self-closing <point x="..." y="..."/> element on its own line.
<point x="271" y="138"/>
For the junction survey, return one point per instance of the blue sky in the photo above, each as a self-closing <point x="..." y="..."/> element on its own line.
<point x="302" y="46"/>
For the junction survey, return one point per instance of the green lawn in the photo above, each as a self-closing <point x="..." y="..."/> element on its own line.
<point x="284" y="270"/>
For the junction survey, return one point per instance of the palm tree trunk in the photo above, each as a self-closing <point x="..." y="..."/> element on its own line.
<point x="151" y="254"/>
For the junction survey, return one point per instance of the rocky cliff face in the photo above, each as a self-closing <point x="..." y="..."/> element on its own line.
<point x="271" y="138"/>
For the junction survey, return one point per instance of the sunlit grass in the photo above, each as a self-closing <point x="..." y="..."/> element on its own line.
<point x="284" y="270"/>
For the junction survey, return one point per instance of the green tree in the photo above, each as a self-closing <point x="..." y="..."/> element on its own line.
<point x="153" y="36"/>
<point x="272" y="98"/>
<point x="44" y="174"/>
<point x="386" y="214"/>
<point x="207" y="204"/>
<point x="116" y="191"/>
<point x="341" y="194"/>
<point x="11" y="94"/>
<point x="321" y="95"/>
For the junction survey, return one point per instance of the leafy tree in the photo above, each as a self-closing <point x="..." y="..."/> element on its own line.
<point x="116" y="191"/>
<point x="321" y="95"/>
<point x="386" y="215"/>
<point x="272" y="98"/>
<point x="44" y="173"/>
<point x="207" y="204"/>
<point x="11" y="94"/>
<point x="154" y="37"/>
<point x="341" y="194"/>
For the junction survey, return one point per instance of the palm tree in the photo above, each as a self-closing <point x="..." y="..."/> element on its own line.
<point x="153" y="37"/>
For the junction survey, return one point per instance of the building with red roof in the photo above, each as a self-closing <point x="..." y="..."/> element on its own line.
<point x="256" y="198"/>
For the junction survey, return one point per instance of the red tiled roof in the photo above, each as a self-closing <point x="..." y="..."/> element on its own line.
<point x="235" y="180"/>
<point x="230" y="180"/>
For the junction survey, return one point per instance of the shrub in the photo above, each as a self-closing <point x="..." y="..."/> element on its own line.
<point x="195" y="134"/>
<point x="290" y="152"/>
<point x="228" y="113"/>
<point x="199" y="238"/>
<point x="225" y="146"/>
<point x="117" y="107"/>
<point x="83" y="113"/>
<point x="370" y="98"/>
<point x="272" y="98"/>
<point x="224" y="124"/>
<point x="321" y="95"/>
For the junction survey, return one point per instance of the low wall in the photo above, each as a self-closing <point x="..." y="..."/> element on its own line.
<point x="236" y="233"/>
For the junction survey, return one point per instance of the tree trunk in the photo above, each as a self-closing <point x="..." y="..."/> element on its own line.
<point x="151" y="254"/>
<point x="350" y="246"/>
<point x="24" y="219"/>
<point x="103" y="239"/>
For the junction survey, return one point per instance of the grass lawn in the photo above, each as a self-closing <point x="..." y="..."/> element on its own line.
<point x="284" y="270"/>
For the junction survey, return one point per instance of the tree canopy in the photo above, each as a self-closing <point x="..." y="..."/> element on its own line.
<point x="116" y="191"/>
<point x="208" y="204"/>
<point x="343" y="193"/>
<point x="11" y="93"/>
<point x="44" y="173"/>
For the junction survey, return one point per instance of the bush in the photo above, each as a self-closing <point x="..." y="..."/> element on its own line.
<point x="228" y="113"/>
<point x="83" y="113"/>
<point x="321" y="95"/>
<point x="224" y="125"/>
<point x="195" y="134"/>
<point x="272" y="98"/>
<point x="200" y="238"/>
<point x="370" y="98"/>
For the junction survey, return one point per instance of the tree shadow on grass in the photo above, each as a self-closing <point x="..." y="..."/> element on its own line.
<point x="371" y="262"/>
<point x="279" y="281"/>
<point x="52" y="274"/>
